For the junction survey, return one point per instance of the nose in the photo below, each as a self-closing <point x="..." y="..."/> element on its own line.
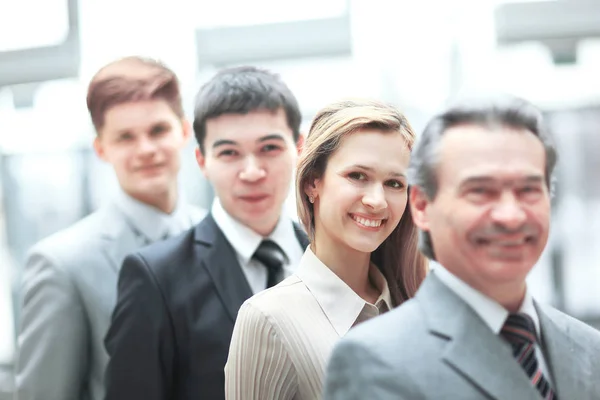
<point x="374" y="198"/>
<point x="146" y="147"/>
<point x="252" y="171"/>
<point x="508" y="212"/>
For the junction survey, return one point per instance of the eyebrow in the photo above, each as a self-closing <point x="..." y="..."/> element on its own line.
<point x="272" y="136"/>
<point x="370" y="169"/>
<point x="157" y="123"/>
<point x="473" y="180"/>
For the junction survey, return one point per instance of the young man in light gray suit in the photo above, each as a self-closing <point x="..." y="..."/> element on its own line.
<point x="480" y="179"/>
<point x="70" y="280"/>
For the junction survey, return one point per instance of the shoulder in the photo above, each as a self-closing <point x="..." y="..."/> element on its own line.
<point x="196" y="213"/>
<point x="167" y="255"/>
<point x="275" y="304"/>
<point x="73" y="244"/>
<point x="573" y="327"/>
<point x="402" y="330"/>
<point x="401" y="322"/>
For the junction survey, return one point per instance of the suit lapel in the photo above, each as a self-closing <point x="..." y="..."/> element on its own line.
<point x="222" y="265"/>
<point x="120" y="237"/>
<point x="567" y="360"/>
<point x="472" y="350"/>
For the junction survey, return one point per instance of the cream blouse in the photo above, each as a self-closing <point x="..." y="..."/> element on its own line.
<point x="283" y="336"/>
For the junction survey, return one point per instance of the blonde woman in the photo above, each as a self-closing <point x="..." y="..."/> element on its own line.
<point x="363" y="257"/>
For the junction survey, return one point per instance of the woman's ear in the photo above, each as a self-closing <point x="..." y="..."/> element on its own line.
<point x="310" y="189"/>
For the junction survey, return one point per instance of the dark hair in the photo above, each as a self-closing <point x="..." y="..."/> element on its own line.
<point x="398" y="257"/>
<point x="241" y="90"/>
<point x="493" y="112"/>
<point x="132" y="79"/>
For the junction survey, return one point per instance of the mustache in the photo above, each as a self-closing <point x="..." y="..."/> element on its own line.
<point x="496" y="230"/>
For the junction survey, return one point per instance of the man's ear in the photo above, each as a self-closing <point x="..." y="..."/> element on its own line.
<point x="187" y="130"/>
<point x="419" y="203"/>
<point x="201" y="160"/>
<point x="99" y="148"/>
<point x="300" y="143"/>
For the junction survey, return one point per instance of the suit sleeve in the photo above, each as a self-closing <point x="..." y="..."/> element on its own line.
<point x="258" y="366"/>
<point x="356" y="373"/>
<point x="140" y="340"/>
<point x="52" y="357"/>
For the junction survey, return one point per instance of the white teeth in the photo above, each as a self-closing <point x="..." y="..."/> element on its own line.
<point x="372" y="223"/>
<point x="510" y="243"/>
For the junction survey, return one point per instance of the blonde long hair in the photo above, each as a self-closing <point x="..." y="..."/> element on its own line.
<point x="398" y="257"/>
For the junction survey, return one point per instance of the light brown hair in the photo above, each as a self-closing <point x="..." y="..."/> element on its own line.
<point x="398" y="257"/>
<point x="132" y="79"/>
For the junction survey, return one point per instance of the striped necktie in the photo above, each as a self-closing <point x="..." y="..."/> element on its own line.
<point x="519" y="331"/>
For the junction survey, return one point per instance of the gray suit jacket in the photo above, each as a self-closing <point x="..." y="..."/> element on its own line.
<point x="436" y="347"/>
<point x="69" y="292"/>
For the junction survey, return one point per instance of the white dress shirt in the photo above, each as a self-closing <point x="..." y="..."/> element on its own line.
<point x="491" y="312"/>
<point x="245" y="242"/>
<point x="283" y="336"/>
<point x="152" y="223"/>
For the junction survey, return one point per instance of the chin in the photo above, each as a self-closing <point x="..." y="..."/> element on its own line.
<point x="363" y="246"/>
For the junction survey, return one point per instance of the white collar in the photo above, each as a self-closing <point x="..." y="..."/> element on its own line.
<point x="339" y="302"/>
<point x="490" y="311"/>
<point x="245" y="241"/>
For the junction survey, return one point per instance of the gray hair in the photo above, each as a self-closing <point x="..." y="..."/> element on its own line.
<point x="492" y="113"/>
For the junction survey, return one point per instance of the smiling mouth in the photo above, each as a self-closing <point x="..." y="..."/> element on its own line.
<point x="505" y="243"/>
<point x="368" y="223"/>
<point x="254" y="199"/>
<point x="150" y="167"/>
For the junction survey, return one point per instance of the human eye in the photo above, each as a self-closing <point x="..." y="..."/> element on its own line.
<point x="395" y="184"/>
<point x="269" y="148"/>
<point x="158" y="129"/>
<point x="228" y="153"/>
<point x="357" y="176"/>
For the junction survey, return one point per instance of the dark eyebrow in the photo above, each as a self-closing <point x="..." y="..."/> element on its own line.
<point x="223" y="142"/>
<point x="473" y="180"/>
<point x="272" y="136"/>
<point x="370" y="169"/>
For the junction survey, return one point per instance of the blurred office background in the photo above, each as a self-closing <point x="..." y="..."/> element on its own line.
<point x="415" y="54"/>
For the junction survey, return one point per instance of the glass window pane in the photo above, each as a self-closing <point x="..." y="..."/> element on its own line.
<point x="26" y="24"/>
<point x="218" y="14"/>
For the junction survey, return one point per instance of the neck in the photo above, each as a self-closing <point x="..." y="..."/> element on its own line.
<point x="165" y="201"/>
<point x="352" y="267"/>
<point x="509" y="295"/>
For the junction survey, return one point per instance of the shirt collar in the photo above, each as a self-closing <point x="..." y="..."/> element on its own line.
<point x="339" y="302"/>
<point x="491" y="312"/>
<point x="245" y="241"/>
<point x="150" y="221"/>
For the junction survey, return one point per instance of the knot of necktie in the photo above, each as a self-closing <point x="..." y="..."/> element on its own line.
<point x="271" y="256"/>
<point x="519" y="330"/>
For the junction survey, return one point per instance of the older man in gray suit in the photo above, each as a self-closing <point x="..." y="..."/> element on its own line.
<point x="70" y="280"/>
<point x="480" y="194"/>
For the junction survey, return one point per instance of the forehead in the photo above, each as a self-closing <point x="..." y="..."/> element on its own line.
<point x="373" y="148"/>
<point x="247" y="128"/>
<point x="502" y="153"/>
<point x="137" y="115"/>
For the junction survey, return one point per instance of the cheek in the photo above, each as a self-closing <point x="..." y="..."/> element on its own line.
<point x="397" y="204"/>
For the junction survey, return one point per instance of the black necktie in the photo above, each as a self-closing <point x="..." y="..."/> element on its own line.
<point x="519" y="331"/>
<point x="271" y="256"/>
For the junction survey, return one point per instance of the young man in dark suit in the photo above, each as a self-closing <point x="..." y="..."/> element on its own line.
<point x="177" y="301"/>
